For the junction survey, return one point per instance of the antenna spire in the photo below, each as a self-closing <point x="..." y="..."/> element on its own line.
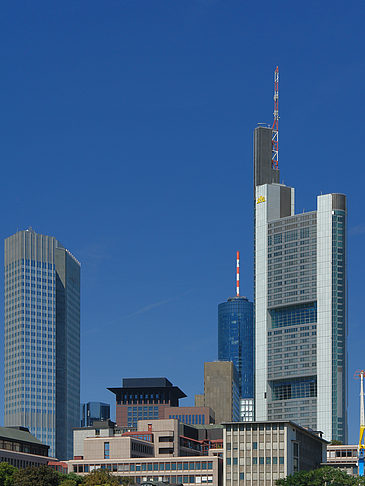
<point x="238" y="275"/>
<point x="275" y="125"/>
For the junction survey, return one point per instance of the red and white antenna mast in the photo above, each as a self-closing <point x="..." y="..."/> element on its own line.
<point x="238" y="275"/>
<point x="275" y="125"/>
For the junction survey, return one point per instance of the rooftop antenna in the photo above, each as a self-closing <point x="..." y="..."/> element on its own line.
<point x="238" y="274"/>
<point x="275" y="125"/>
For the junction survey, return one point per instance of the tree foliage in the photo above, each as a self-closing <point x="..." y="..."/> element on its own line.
<point x="36" y="476"/>
<point x="7" y="472"/>
<point x="100" y="477"/>
<point x="325" y="476"/>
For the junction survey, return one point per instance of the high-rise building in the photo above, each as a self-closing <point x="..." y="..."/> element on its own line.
<point x="221" y="391"/>
<point x="94" y="411"/>
<point x="42" y="339"/>
<point x="236" y="341"/>
<point x="300" y="303"/>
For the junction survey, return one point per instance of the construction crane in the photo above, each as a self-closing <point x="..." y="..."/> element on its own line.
<point x="275" y="125"/>
<point x="361" y="448"/>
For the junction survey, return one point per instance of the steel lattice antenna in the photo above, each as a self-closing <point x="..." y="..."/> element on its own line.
<point x="275" y="125"/>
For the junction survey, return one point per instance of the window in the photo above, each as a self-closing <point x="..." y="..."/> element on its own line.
<point x="106" y="450"/>
<point x="254" y="460"/>
<point x="254" y="445"/>
<point x="228" y="461"/>
<point x="281" y="460"/>
<point x="261" y="460"/>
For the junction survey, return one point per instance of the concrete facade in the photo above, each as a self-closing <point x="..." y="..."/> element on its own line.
<point x="221" y="390"/>
<point x="259" y="453"/>
<point x="344" y="457"/>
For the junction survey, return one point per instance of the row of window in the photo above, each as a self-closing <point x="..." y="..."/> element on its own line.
<point x="156" y="466"/>
<point x="258" y="460"/>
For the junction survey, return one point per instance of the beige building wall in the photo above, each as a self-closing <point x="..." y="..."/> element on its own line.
<point x="165" y="434"/>
<point x="126" y="447"/>
<point x="199" y="400"/>
<point x="218" y="389"/>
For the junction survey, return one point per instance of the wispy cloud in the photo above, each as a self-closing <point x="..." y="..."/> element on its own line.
<point x="149" y="307"/>
<point x="357" y="230"/>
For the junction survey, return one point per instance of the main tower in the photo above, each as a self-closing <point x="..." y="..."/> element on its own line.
<point x="300" y="299"/>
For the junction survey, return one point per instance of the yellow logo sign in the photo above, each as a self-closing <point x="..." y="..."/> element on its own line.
<point x="260" y="199"/>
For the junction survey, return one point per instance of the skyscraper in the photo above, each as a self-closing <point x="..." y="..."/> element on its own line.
<point x="236" y="344"/>
<point x="300" y="303"/>
<point x="42" y="339"/>
<point x="94" y="412"/>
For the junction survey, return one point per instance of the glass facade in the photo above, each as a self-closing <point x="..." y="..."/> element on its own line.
<point x="42" y="341"/>
<point x="236" y="340"/>
<point x="92" y="411"/>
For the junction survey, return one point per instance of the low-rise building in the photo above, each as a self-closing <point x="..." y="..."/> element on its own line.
<point x="21" y="449"/>
<point x="344" y="457"/>
<point x="259" y="453"/>
<point x="169" y="437"/>
<point x="177" y="470"/>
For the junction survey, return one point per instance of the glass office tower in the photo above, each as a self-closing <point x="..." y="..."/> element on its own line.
<point x="300" y="303"/>
<point x="94" y="412"/>
<point x="42" y="339"/>
<point x="236" y="340"/>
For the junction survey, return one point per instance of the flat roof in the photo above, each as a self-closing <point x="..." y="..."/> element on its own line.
<point x="291" y="423"/>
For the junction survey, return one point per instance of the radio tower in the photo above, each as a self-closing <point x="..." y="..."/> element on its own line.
<point x="275" y="125"/>
<point x="238" y="275"/>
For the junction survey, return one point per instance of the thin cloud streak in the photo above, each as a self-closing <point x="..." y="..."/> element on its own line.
<point x="149" y="307"/>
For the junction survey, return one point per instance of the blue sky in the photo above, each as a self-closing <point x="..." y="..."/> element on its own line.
<point x="126" y="132"/>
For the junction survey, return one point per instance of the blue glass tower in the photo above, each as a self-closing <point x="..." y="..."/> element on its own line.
<point x="236" y="340"/>
<point x="94" y="412"/>
<point x="42" y="339"/>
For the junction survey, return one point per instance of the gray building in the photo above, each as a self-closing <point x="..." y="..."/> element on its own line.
<point x="260" y="453"/>
<point x="42" y="339"/>
<point x="300" y="303"/>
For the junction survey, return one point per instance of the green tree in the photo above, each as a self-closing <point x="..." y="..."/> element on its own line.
<point x="6" y="474"/>
<point x="100" y="477"/>
<point x="325" y="476"/>
<point x="70" y="479"/>
<point x="36" y="476"/>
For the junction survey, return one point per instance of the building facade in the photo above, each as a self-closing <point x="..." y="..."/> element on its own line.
<point x="144" y="398"/>
<point x="42" y="339"/>
<point x="300" y="303"/>
<point x="191" y="415"/>
<point x="221" y="390"/>
<point x="94" y="411"/>
<point x="179" y="470"/>
<point x="236" y="340"/>
<point x="236" y="344"/>
<point x="260" y="453"/>
<point x="21" y="449"/>
<point x="344" y="457"/>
